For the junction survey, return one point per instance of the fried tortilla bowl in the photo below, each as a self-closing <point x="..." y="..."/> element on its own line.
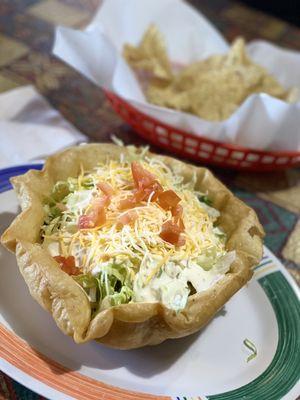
<point x="129" y="325"/>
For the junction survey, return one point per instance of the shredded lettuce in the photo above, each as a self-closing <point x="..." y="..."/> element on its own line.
<point x="175" y="296"/>
<point x="60" y="190"/>
<point x="251" y="346"/>
<point x="219" y="233"/>
<point x="223" y="264"/>
<point x="135" y="154"/>
<point x="51" y="227"/>
<point x="205" y="199"/>
<point x="87" y="281"/>
<point x="53" y="215"/>
<point x="66" y="196"/>
<point x="112" y="284"/>
<point x="207" y="259"/>
<point x="119" y="280"/>
<point x="86" y="182"/>
<point x="78" y="200"/>
<point x="122" y="297"/>
<point x="117" y="140"/>
<point x="53" y="208"/>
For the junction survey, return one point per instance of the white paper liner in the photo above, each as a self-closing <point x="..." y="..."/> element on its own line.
<point x="261" y="122"/>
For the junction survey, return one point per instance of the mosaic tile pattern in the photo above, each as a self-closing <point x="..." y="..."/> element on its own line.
<point x="291" y="250"/>
<point x="26" y="37"/>
<point x="6" y="84"/>
<point x="57" y="13"/>
<point x="10" y="50"/>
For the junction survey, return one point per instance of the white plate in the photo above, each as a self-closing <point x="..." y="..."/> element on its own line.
<point x="211" y="364"/>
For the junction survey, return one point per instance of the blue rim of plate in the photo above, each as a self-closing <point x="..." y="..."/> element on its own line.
<point x="7" y="173"/>
<point x="283" y="373"/>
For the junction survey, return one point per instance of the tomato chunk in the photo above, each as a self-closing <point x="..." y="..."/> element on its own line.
<point x="168" y="199"/>
<point x="177" y="211"/>
<point x="96" y="215"/>
<point x="145" y="183"/>
<point x="67" y="264"/>
<point x="106" y="188"/>
<point x="157" y="189"/>
<point x="177" y="214"/>
<point x="140" y="195"/>
<point x="141" y="177"/>
<point x="100" y="202"/>
<point x="181" y="241"/>
<point x="127" y="218"/>
<point x="145" y="186"/>
<point x="85" y="222"/>
<point x="171" y="233"/>
<point x="129" y="202"/>
<point x="181" y="224"/>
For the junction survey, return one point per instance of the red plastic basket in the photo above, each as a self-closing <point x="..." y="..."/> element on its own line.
<point x="200" y="148"/>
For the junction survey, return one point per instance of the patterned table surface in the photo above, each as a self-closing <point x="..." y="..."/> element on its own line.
<point x="26" y="37"/>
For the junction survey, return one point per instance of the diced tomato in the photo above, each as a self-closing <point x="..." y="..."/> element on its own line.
<point x="145" y="183"/>
<point x="171" y="233"/>
<point x="145" y="186"/>
<point x="96" y="215"/>
<point x="180" y="224"/>
<point x="99" y="216"/>
<point x="129" y="202"/>
<point x="100" y="202"/>
<point x="106" y="188"/>
<point x="181" y="241"/>
<point x="177" y="211"/>
<point x="140" y="195"/>
<point x="157" y="189"/>
<point x="177" y="214"/>
<point x="85" y="222"/>
<point x="168" y="199"/>
<point x="132" y="200"/>
<point x="141" y="177"/>
<point x="127" y="218"/>
<point x="144" y="194"/>
<point x="67" y="264"/>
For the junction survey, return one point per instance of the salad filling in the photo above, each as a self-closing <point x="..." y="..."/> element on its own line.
<point x="131" y="230"/>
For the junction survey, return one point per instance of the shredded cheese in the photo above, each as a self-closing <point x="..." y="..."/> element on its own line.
<point x="139" y="241"/>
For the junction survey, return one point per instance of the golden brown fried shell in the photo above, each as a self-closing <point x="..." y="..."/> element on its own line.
<point x="129" y="325"/>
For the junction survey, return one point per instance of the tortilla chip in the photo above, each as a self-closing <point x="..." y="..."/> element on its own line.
<point x="150" y="55"/>
<point x="293" y="95"/>
<point x="135" y="324"/>
<point x="237" y="54"/>
<point x="212" y="88"/>
<point x="167" y="97"/>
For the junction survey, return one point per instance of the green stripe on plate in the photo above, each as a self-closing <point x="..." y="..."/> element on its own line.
<point x="284" y="371"/>
<point x="263" y="264"/>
